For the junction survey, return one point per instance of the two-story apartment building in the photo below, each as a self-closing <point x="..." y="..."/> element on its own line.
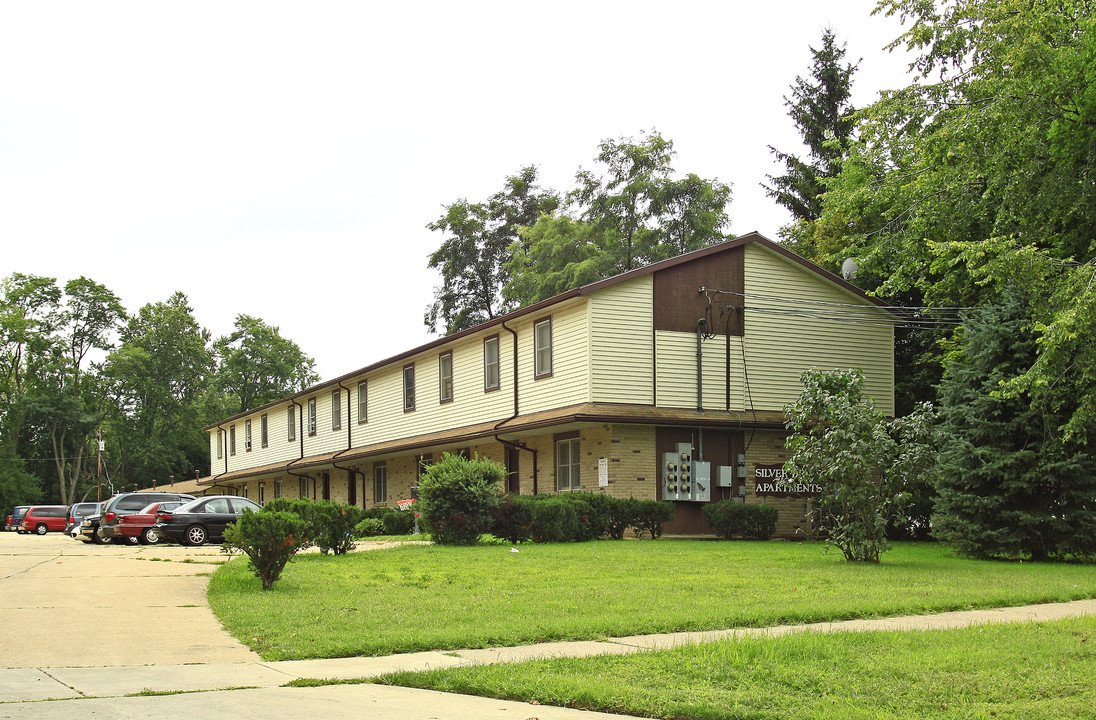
<point x="596" y="389"/>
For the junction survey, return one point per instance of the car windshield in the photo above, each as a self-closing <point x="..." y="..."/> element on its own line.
<point x="188" y="506"/>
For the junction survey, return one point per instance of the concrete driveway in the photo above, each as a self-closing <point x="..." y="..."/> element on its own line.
<point x="73" y="604"/>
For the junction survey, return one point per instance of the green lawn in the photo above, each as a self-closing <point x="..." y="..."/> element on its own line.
<point x="1027" y="672"/>
<point x="426" y="597"/>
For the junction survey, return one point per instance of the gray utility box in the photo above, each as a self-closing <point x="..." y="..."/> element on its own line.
<point x="685" y="479"/>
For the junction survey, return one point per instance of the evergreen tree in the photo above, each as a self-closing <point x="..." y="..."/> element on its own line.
<point x="822" y="113"/>
<point x="1010" y="483"/>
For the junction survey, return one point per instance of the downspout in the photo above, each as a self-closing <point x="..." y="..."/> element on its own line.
<point x="300" y="434"/>
<point x="224" y="451"/>
<point x="509" y="443"/>
<point x="349" y="440"/>
<point x="701" y="328"/>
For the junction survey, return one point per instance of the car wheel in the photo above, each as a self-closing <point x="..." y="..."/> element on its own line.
<point x="195" y="535"/>
<point x="96" y="538"/>
<point x="41" y="528"/>
<point x="130" y="540"/>
<point x="148" y="537"/>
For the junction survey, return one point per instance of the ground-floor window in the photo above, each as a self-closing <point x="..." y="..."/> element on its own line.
<point x="303" y="486"/>
<point x="380" y="483"/>
<point x="278" y="488"/>
<point x="262" y="493"/>
<point x="567" y="465"/>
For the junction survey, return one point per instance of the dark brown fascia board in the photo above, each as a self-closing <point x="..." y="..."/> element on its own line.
<point x="751" y="237"/>
<point x="584" y="413"/>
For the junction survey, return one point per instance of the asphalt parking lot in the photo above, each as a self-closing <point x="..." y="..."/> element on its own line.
<point x="74" y="604"/>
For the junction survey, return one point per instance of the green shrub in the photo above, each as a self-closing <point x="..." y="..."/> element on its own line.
<point x="620" y="515"/>
<point x="333" y="526"/>
<point x="269" y="539"/>
<point x="397" y="522"/>
<point x="649" y="516"/>
<point x="593" y="513"/>
<point x="555" y="520"/>
<point x="512" y="520"/>
<point x="457" y="496"/>
<point x="301" y="507"/>
<point x="731" y="519"/>
<point x="369" y="527"/>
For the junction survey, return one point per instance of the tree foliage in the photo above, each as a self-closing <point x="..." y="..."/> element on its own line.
<point x="864" y="464"/>
<point x="478" y="246"/>
<point x="256" y="365"/>
<point x="631" y="214"/>
<point x="821" y="109"/>
<point x="1011" y="484"/>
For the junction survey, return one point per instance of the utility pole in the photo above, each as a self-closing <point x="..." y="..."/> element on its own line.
<point x="99" y="468"/>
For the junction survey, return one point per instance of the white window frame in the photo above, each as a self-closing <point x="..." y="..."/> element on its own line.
<point x="336" y="410"/>
<point x="542" y="348"/>
<point x="291" y="421"/>
<point x="247" y="436"/>
<point x="363" y="402"/>
<point x="445" y="376"/>
<point x="264" y="431"/>
<point x="568" y="465"/>
<point x="492" y="368"/>
<point x="232" y="441"/>
<point x="220" y="444"/>
<point x="311" y="417"/>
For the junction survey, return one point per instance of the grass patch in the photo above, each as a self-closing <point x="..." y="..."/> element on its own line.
<point x="415" y="598"/>
<point x="990" y="672"/>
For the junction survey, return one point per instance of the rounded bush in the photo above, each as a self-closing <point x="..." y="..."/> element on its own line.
<point x="457" y="496"/>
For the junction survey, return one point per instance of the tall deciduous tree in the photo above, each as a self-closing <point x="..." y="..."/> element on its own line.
<point x="1010" y="485"/>
<point x="157" y="378"/>
<point x="257" y="365"/>
<point x="633" y="214"/>
<point x="478" y="245"/>
<point x="820" y="107"/>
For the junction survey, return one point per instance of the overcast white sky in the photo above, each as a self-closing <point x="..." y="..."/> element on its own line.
<point x="283" y="159"/>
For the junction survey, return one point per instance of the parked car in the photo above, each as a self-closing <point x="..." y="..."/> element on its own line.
<point x="203" y="520"/>
<point x="139" y="525"/>
<point x="77" y="512"/>
<point x="15" y="520"/>
<point x="41" y="519"/>
<point x="89" y="529"/>
<point x="128" y="503"/>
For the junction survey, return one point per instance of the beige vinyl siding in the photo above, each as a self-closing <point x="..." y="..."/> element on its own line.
<point x="569" y="383"/>
<point x="278" y="449"/>
<point x="470" y="404"/>
<point x="676" y="381"/>
<point x="621" y="343"/>
<point x="780" y="347"/>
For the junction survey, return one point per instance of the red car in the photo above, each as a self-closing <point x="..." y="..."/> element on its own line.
<point x="43" y="518"/>
<point x="137" y="527"/>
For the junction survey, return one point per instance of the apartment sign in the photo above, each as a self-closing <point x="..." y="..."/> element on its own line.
<point x="775" y="481"/>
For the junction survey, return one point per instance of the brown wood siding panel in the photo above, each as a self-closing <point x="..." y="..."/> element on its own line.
<point x="721" y="447"/>
<point x="678" y="304"/>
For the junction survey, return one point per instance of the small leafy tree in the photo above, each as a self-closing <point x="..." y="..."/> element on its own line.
<point x="269" y="539"/>
<point x="650" y="516"/>
<point x="843" y="443"/>
<point x="457" y="496"/>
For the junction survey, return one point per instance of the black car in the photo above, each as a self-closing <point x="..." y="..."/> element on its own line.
<point x="89" y="529"/>
<point x="202" y="520"/>
<point x="128" y="503"/>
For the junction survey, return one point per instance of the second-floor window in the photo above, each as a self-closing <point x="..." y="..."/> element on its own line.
<point x="291" y="421"/>
<point x="220" y="444"/>
<point x="232" y="440"/>
<point x="408" y="388"/>
<point x="491" y="363"/>
<point x="263" y="435"/>
<point x="542" y="348"/>
<point x="312" y="416"/>
<point x="445" y="376"/>
<point x="247" y="436"/>
<point x="336" y="410"/>
<point x="363" y="402"/>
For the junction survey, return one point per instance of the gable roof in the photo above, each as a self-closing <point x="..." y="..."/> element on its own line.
<point x="751" y="237"/>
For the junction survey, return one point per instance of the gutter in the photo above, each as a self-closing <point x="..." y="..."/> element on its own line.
<point x="300" y="434"/>
<point x="509" y="443"/>
<point x="349" y="444"/>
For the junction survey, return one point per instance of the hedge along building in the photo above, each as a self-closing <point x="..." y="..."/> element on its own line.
<point x="599" y="389"/>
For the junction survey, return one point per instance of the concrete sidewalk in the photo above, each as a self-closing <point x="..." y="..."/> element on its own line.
<point x="63" y="692"/>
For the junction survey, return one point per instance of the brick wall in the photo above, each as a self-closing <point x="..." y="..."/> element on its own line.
<point x="767" y="448"/>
